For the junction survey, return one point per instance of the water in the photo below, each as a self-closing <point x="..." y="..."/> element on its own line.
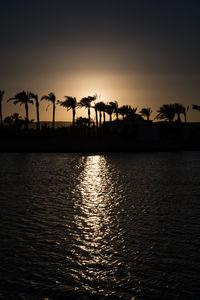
<point x="116" y="226"/>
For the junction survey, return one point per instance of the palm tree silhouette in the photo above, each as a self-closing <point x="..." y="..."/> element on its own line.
<point x="1" y="98"/>
<point x="14" y="120"/>
<point x="179" y="109"/>
<point x="23" y="98"/>
<point x="146" y="112"/>
<point x="122" y="111"/>
<point x="35" y="97"/>
<point x="51" y="97"/>
<point x="196" y="107"/>
<point x="166" y="112"/>
<point x="96" y="113"/>
<point x="100" y="106"/>
<point x="86" y="102"/>
<point x="127" y="110"/>
<point x="184" y="112"/>
<point x="109" y="111"/>
<point x="70" y="103"/>
<point x="115" y="108"/>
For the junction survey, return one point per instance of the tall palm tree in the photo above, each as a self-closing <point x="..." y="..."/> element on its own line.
<point x="101" y="108"/>
<point x="70" y="103"/>
<point x="196" y="107"/>
<point x="96" y="113"/>
<point x="51" y="97"/>
<point x="35" y="97"/>
<point x="109" y="111"/>
<point x="115" y="108"/>
<point x="146" y="112"/>
<point x="166" y="112"/>
<point x="23" y="98"/>
<point x="86" y="102"/>
<point x="1" y="98"/>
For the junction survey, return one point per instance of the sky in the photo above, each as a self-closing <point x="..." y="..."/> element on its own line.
<point x="142" y="53"/>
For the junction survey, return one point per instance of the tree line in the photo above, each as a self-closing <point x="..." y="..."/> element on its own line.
<point x="167" y="112"/>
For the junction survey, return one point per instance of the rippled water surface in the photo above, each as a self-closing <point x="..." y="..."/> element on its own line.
<point x="100" y="226"/>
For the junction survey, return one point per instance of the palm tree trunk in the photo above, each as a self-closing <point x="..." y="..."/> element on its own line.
<point x="53" y="122"/>
<point x="147" y="118"/>
<point x="110" y="118"/>
<point x="74" y="113"/>
<point x="100" y="116"/>
<point x="178" y="117"/>
<point x="185" y="117"/>
<point x="27" y="119"/>
<point x="88" y="117"/>
<point x="117" y="116"/>
<point x="96" y="113"/>
<point x="104" y="117"/>
<point x="1" y="117"/>
<point x="38" y="118"/>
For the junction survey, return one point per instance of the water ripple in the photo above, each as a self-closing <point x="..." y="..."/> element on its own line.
<point x="120" y="226"/>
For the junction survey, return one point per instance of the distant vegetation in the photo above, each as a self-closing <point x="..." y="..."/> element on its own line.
<point x="167" y="112"/>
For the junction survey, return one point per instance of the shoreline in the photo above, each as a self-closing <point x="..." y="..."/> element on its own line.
<point x="93" y="145"/>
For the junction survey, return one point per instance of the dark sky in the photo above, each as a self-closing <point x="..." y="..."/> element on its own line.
<point x="142" y="53"/>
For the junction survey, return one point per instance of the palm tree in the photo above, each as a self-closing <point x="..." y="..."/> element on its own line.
<point x="14" y="120"/>
<point x="23" y="98"/>
<point x="70" y="103"/>
<point x="109" y="111"/>
<point x="96" y="113"/>
<point x="51" y="97"/>
<point x="146" y="112"/>
<point x="35" y="97"/>
<point x="115" y="108"/>
<point x="196" y="107"/>
<point x="1" y="98"/>
<point x="131" y="111"/>
<point x="101" y="108"/>
<point x="122" y="111"/>
<point x="86" y="102"/>
<point x="166" y="112"/>
<point x="127" y="110"/>
<point x="179" y="109"/>
<point x="184" y="112"/>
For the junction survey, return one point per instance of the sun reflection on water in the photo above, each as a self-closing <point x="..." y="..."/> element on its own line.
<point x="99" y="239"/>
<point x="94" y="199"/>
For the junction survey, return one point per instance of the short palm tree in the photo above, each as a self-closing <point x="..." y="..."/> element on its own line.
<point x="86" y="102"/>
<point x="1" y="98"/>
<point x="127" y="110"/>
<point x="51" y="97"/>
<point x="70" y="103"/>
<point x="146" y="112"/>
<point x="179" y="109"/>
<point x="115" y="108"/>
<point x="23" y="98"/>
<point x="131" y="111"/>
<point x="122" y="111"/>
<point x="184" y="112"/>
<point x="166" y="112"/>
<point x="35" y="98"/>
